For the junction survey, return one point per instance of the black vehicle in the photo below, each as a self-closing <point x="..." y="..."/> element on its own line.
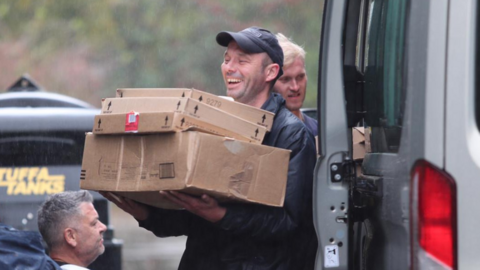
<point x="42" y="136"/>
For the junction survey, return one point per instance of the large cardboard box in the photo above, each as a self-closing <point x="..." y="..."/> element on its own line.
<point x="133" y="122"/>
<point x="218" y="122"/>
<point x="249" y="113"/>
<point x="193" y="162"/>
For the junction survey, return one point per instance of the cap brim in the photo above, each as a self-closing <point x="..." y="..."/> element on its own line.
<point x="246" y="44"/>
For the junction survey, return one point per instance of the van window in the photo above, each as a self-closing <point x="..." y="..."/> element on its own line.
<point x="384" y="61"/>
<point x="359" y="56"/>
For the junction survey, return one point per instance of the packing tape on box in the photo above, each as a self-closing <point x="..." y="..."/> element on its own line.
<point x="142" y="158"/>
<point x="120" y="161"/>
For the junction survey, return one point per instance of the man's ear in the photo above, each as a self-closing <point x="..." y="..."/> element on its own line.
<point x="272" y="72"/>
<point x="70" y="236"/>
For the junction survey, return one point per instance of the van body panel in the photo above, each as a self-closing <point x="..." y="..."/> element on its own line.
<point x="435" y="82"/>
<point x="331" y="197"/>
<point x="462" y="134"/>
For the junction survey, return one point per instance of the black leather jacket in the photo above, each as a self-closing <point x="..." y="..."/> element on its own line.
<point x="253" y="236"/>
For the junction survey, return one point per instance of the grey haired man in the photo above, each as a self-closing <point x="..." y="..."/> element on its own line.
<point x="71" y="228"/>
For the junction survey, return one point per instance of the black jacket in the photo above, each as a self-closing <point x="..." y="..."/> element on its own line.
<point x="23" y="250"/>
<point x="253" y="236"/>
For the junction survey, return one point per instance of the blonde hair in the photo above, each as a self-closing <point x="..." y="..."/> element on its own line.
<point x="290" y="50"/>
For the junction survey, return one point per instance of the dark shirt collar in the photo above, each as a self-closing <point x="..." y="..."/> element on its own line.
<point x="273" y="103"/>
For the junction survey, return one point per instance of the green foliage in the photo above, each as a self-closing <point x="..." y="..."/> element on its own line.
<point x="87" y="49"/>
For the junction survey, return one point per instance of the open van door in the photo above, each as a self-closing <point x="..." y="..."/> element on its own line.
<point x="362" y="82"/>
<point x="331" y="186"/>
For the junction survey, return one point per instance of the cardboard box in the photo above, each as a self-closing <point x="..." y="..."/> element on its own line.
<point x="188" y="107"/>
<point x="191" y="108"/>
<point x="121" y="123"/>
<point x="358" y="138"/>
<point x="368" y="145"/>
<point x="193" y="162"/>
<point x="133" y="122"/>
<point x="125" y="105"/>
<point x="359" y="149"/>
<point x="249" y="113"/>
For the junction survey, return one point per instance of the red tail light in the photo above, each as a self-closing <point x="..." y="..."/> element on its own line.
<point x="436" y="213"/>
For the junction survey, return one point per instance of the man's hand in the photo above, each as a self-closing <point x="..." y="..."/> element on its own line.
<point x="205" y="207"/>
<point x="138" y="211"/>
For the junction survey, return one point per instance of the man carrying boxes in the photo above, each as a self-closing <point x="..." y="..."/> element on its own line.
<point x="231" y="235"/>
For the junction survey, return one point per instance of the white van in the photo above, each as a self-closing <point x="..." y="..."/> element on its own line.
<point x="409" y="72"/>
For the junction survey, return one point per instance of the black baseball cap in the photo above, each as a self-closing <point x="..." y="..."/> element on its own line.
<point x="255" y="40"/>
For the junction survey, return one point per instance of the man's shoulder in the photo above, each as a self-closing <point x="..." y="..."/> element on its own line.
<point x="22" y="250"/>
<point x="287" y="128"/>
<point x="311" y="124"/>
<point x="286" y="118"/>
<point x="309" y="119"/>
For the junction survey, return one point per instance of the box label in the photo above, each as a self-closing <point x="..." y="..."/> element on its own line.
<point x="213" y="102"/>
<point x="131" y="122"/>
<point x="108" y="170"/>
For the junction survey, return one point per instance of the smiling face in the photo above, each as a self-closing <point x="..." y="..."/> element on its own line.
<point x="293" y="85"/>
<point x="90" y="234"/>
<point x="247" y="76"/>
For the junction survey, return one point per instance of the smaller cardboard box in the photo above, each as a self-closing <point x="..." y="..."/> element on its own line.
<point x="125" y="105"/>
<point x="359" y="149"/>
<point x="249" y="113"/>
<point x="218" y="122"/>
<point x="358" y="138"/>
<point x="197" y="163"/>
<point x="133" y="122"/>
<point x="368" y="145"/>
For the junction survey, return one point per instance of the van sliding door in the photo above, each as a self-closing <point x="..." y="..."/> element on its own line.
<point x="362" y="82"/>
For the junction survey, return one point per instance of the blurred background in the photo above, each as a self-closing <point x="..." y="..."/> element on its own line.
<point x="87" y="49"/>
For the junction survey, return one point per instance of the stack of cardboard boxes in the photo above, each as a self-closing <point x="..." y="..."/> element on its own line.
<point x="146" y="140"/>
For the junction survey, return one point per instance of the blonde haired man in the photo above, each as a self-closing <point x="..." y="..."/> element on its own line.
<point x="292" y="85"/>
